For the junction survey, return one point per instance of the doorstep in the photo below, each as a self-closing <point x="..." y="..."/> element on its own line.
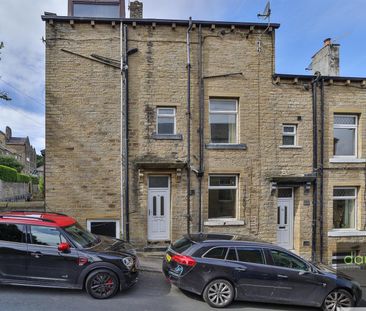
<point x="151" y="261"/>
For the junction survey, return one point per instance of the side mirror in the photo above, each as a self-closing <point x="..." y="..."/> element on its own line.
<point x="64" y="247"/>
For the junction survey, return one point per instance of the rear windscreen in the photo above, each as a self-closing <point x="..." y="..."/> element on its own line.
<point x="181" y="245"/>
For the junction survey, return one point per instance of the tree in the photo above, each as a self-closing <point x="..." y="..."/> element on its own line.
<point x="40" y="160"/>
<point x="3" y="95"/>
<point x="11" y="162"/>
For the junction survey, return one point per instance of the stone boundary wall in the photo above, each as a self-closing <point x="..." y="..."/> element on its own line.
<point x="10" y="191"/>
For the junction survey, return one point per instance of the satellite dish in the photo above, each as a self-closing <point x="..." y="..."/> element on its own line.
<point x="266" y="13"/>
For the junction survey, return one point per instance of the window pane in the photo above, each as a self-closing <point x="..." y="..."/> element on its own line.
<point x="222" y="208"/>
<point x="222" y="181"/>
<point x="106" y="228"/>
<point x="166" y="111"/>
<point x="343" y="192"/>
<point x="231" y="255"/>
<point x="154" y="206"/>
<point x="96" y="10"/>
<point x="288" y="140"/>
<point x="284" y="192"/>
<point x="289" y="129"/>
<point x="223" y="128"/>
<point x="282" y="259"/>
<point x="158" y="182"/>
<point x="344" y="142"/>
<point x="217" y="253"/>
<point x="217" y="105"/>
<point x="165" y="125"/>
<point x="344" y="213"/>
<point x="46" y="236"/>
<point x="12" y="233"/>
<point x="345" y="120"/>
<point x="161" y="206"/>
<point x="250" y="255"/>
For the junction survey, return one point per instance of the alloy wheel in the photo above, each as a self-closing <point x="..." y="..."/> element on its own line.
<point x="103" y="285"/>
<point x="219" y="293"/>
<point x="338" y="299"/>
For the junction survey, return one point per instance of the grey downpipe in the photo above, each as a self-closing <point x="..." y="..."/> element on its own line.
<point x="189" y="125"/>
<point x="321" y="171"/>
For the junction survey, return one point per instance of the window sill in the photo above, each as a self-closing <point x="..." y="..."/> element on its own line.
<point x="290" y="147"/>
<point x="167" y="136"/>
<point x="347" y="160"/>
<point x="346" y="232"/>
<point x="223" y="222"/>
<point x="213" y="146"/>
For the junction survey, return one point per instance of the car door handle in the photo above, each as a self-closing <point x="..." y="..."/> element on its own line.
<point x="281" y="276"/>
<point x="241" y="269"/>
<point x="37" y="254"/>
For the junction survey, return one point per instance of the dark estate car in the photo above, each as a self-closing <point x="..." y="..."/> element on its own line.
<point x="223" y="268"/>
<point x="53" y="250"/>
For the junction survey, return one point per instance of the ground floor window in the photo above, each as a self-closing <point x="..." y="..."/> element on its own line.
<point x="344" y="207"/>
<point x="222" y="195"/>
<point x="104" y="227"/>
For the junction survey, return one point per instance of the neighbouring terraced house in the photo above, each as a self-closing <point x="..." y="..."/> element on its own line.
<point x="156" y="128"/>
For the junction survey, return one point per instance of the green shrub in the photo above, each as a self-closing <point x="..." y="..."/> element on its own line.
<point x="23" y="178"/>
<point x="8" y="174"/>
<point x="11" y="162"/>
<point x="41" y="184"/>
<point x="35" y="180"/>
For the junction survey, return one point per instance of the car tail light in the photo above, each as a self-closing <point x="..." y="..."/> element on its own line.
<point x="184" y="260"/>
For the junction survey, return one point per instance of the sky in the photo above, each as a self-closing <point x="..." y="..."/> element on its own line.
<point x="304" y="26"/>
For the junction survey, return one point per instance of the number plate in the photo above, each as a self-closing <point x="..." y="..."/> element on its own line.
<point x="168" y="258"/>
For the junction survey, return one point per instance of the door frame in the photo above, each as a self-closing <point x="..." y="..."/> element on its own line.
<point x="168" y="217"/>
<point x="291" y="219"/>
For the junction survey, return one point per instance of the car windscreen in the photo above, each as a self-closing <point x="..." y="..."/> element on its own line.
<point x="181" y="245"/>
<point x="81" y="236"/>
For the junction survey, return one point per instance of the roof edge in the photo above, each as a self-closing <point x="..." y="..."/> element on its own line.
<point x="311" y="77"/>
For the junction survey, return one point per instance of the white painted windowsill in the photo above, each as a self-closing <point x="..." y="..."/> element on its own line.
<point x="223" y="222"/>
<point x="347" y="160"/>
<point x="346" y="232"/>
<point x="290" y="147"/>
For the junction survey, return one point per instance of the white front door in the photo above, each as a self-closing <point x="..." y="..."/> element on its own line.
<point x="158" y="205"/>
<point x="285" y="215"/>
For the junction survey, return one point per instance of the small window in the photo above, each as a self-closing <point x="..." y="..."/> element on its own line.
<point x="104" y="227"/>
<point x="344" y="207"/>
<point x="222" y="196"/>
<point x="282" y="259"/>
<point x="12" y="233"/>
<point x="96" y="10"/>
<point x="47" y="236"/>
<point x="158" y="182"/>
<point x="250" y="255"/>
<point x="166" y="121"/>
<point x="223" y="121"/>
<point x="289" y="135"/>
<point x="345" y="136"/>
<point x="216" y="253"/>
<point x="231" y="255"/>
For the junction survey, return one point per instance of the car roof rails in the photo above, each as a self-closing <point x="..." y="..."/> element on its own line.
<point x="30" y="211"/>
<point x="25" y="218"/>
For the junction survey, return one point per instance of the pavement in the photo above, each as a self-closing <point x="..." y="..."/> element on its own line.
<point x="151" y="261"/>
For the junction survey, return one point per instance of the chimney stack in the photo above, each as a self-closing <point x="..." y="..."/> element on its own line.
<point x="136" y="9"/>
<point x="326" y="60"/>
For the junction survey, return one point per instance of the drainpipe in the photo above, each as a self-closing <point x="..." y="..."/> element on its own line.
<point x="189" y="125"/>
<point x="314" y="86"/>
<point x="321" y="169"/>
<point x="201" y="126"/>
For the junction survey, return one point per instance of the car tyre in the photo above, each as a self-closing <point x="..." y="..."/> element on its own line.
<point x="338" y="298"/>
<point x="102" y="284"/>
<point x="219" y="293"/>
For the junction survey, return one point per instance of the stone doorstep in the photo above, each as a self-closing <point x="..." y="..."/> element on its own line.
<point x="151" y="261"/>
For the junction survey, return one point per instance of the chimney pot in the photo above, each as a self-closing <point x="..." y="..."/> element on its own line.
<point x="136" y="9"/>
<point x="327" y="41"/>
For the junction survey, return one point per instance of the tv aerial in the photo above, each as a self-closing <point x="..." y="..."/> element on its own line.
<point x="266" y="12"/>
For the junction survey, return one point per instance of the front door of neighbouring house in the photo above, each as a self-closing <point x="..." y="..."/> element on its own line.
<point x="158" y="206"/>
<point x="285" y="215"/>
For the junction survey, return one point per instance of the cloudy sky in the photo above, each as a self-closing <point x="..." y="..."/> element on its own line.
<point x="304" y="25"/>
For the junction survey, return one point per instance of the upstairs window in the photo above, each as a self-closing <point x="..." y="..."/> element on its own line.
<point x="289" y="133"/>
<point x="223" y="121"/>
<point x="344" y="208"/>
<point x="166" y="121"/>
<point x="345" y="136"/>
<point x="96" y="10"/>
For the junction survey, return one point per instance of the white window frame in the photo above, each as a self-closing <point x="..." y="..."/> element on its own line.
<point x="346" y="198"/>
<point x="226" y="112"/>
<point x="225" y="187"/>
<point x="347" y="126"/>
<point x="292" y="134"/>
<point x="89" y="221"/>
<point x="159" y="114"/>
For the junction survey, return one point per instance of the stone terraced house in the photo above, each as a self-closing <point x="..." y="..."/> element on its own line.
<point x="148" y="144"/>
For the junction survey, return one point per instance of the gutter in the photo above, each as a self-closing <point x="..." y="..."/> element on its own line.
<point x="321" y="168"/>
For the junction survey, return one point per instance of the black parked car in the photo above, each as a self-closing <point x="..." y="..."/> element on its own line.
<point x="223" y="268"/>
<point x="53" y="250"/>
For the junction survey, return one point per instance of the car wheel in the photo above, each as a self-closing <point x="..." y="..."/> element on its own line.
<point x="102" y="284"/>
<point x="338" y="298"/>
<point x="219" y="293"/>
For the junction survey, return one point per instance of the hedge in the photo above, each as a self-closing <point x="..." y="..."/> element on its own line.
<point x="35" y="180"/>
<point x="23" y="178"/>
<point x="8" y="174"/>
